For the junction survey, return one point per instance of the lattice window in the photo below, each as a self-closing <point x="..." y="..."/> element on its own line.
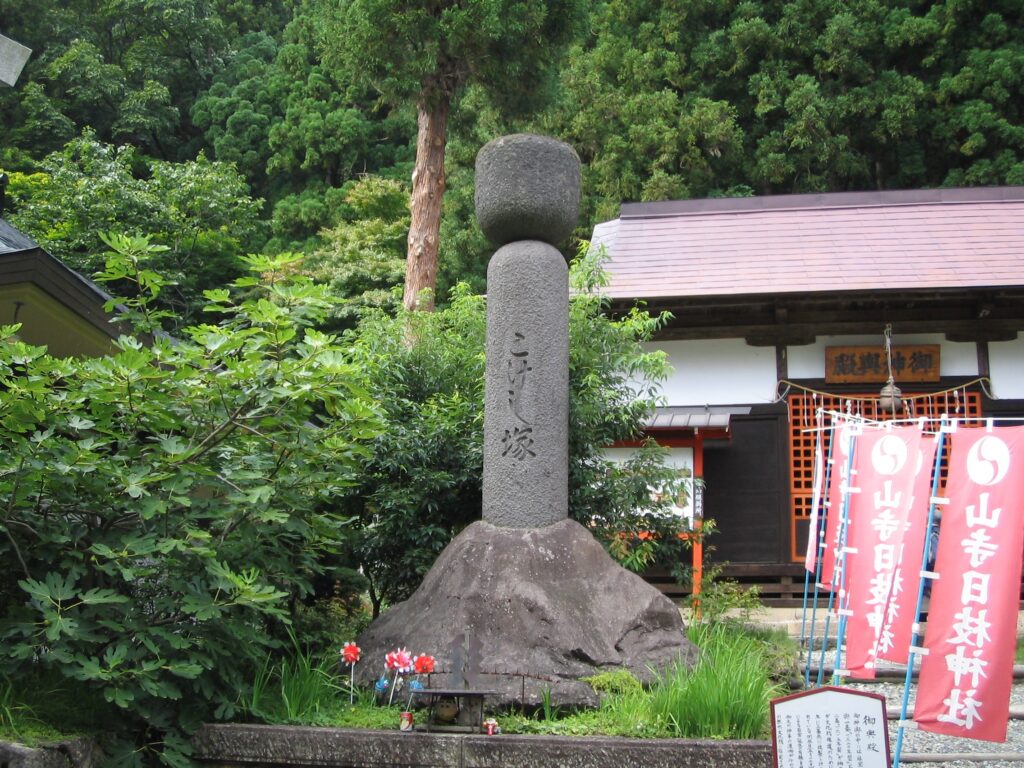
<point x="802" y="409"/>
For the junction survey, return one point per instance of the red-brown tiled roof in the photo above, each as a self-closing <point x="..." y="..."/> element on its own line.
<point x="910" y="240"/>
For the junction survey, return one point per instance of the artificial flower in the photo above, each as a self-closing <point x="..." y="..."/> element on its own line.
<point x="350" y="653"/>
<point x="399" y="661"/>
<point x="423" y="664"/>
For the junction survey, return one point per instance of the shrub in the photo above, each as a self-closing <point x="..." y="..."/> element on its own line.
<point x="422" y="483"/>
<point x="165" y="505"/>
<point x="616" y="681"/>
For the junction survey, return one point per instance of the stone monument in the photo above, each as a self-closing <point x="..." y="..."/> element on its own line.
<point x="542" y="600"/>
<point x="527" y="198"/>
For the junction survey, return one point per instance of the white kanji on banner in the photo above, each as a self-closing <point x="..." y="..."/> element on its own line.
<point x="842" y="442"/>
<point x="886" y="539"/>
<point x="964" y="688"/>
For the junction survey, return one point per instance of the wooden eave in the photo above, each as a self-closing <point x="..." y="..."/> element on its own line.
<point x="975" y="314"/>
<point x="787" y="268"/>
<point x="38" y="268"/>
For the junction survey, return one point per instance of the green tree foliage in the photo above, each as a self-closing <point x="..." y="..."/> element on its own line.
<point x="614" y="387"/>
<point x="661" y="98"/>
<point x="128" y="70"/>
<point x="427" y="55"/>
<point x="166" y="505"/>
<point x="200" y="209"/>
<point x="238" y="109"/>
<point x="296" y="130"/>
<point x="422" y="483"/>
<point x="977" y="118"/>
<point x="331" y="130"/>
<point x="363" y="260"/>
<point x="670" y="99"/>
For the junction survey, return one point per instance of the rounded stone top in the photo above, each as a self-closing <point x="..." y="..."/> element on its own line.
<point x="527" y="188"/>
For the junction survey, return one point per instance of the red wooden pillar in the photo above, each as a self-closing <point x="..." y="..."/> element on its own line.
<point x="698" y="517"/>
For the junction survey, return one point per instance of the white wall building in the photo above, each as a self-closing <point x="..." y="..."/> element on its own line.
<point x="780" y="305"/>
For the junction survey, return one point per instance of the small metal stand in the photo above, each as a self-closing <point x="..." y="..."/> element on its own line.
<point x="470" y="716"/>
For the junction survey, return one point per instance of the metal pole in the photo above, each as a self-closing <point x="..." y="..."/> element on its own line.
<point x="916" y="640"/>
<point x="844" y="599"/>
<point x="820" y="545"/>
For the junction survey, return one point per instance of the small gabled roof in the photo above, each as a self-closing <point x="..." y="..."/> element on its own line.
<point x="57" y="306"/>
<point x="12" y="240"/>
<point x="684" y="417"/>
<point x="802" y="244"/>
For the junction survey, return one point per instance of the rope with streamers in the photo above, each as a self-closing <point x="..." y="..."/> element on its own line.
<point x="982" y="381"/>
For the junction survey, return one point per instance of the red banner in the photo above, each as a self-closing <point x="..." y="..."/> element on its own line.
<point x="811" y="556"/>
<point x="898" y="630"/>
<point x="964" y="688"/>
<point x="839" y="462"/>
<point x="885" y="541"/>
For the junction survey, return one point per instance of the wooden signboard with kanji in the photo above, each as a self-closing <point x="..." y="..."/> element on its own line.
<point x="830" y="728"/>
<point x="867" y="365"/>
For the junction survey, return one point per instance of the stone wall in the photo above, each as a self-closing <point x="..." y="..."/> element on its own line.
<point x="266" y="745"/>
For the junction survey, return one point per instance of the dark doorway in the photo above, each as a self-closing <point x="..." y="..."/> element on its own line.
<point x="746" y="491"/>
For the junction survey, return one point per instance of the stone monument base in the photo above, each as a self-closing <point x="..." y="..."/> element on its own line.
<point x="524" y="611"/>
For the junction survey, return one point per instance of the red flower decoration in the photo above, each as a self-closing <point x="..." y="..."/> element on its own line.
<point x="424" y="665"/>
<point x="350" y="653"/>
<point x="398" y="660"/>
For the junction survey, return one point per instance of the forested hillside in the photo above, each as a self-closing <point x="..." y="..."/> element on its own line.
<point x="230" y="126"/>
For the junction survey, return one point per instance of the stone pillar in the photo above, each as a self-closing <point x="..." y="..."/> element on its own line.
<point x="527" y="200"/>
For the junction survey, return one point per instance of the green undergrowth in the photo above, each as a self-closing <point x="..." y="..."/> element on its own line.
<point x="44" y="708"/>
<point x="725" y="695"/>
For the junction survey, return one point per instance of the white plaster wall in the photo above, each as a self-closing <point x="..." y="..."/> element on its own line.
<point x="1006" y="366"/>
<point x="955" y="358"/>
<point x="680" y="457"/>
<point x="718" y="372"/>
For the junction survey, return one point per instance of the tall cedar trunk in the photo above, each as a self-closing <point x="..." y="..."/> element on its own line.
<point x="427" y="192"/>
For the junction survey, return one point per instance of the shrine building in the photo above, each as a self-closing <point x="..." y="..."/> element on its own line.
<point x="780" y="307"/>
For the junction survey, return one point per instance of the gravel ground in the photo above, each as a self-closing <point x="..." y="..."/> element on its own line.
<point x="921" y="742"/>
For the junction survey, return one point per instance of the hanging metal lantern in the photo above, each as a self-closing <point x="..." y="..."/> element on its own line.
<point x="889" y="399"/>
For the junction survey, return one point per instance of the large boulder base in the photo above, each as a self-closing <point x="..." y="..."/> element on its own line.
<point x="543" y="608"/>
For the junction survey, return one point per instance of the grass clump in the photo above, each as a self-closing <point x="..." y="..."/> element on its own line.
<point x="617" y="681"/>
<point x="299" y="688"/>
<point x="725" y="695"/>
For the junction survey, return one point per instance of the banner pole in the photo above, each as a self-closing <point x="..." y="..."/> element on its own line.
<point x="916" y="639"/>
<point x="844" y="598"/>
<point x="820" y="545"/>
<point x="819" y="681"/>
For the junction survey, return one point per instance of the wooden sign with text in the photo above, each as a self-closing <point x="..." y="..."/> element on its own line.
<point x="830" y="728"/>
<point x="866" y="365"/>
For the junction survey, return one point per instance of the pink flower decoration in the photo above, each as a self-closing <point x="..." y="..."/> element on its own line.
<point x="399" y="660"/>
<point x="424" y="664"/>
<point x="350" y="653"/>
